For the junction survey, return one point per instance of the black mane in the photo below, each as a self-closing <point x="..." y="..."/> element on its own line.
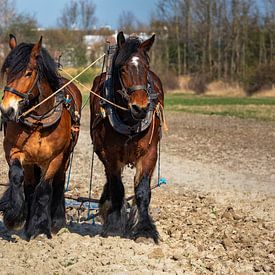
<point x="131" y="46"/>
<point x="122" y="55"/>
<point x="17" y="60"/>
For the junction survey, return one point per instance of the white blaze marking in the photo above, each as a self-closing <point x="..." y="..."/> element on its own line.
<point x="13" y="103"/>
<point x="135" y="60"/>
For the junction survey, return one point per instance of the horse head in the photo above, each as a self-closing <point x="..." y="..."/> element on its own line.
<point x="22" y="77"/>
<point x="31" y="75"/>
<point x="132" y="66"/>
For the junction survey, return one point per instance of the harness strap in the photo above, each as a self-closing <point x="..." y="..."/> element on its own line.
<point x="136" y="88"/>
<point x="25" y="96"/>
<point x="13" y="91"/>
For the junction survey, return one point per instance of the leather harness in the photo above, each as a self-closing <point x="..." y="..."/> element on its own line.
<point x="63" y="99"/>
<point x="26" y="97"/>
<point x="114" y="119"/>
<point x="109" y="93"/>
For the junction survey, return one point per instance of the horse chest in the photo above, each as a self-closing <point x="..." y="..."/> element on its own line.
<point x="131" y="153"/>
<point x="33" y="146"/>
<point x="36" y="147"/>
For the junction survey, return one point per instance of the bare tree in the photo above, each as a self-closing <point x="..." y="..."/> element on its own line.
<point x="7" y="12"/>
<point x="78" y="15"/>
<point x="87" y="14"/>
<point x="69" y="15"/>
<point x="127" y="22"/>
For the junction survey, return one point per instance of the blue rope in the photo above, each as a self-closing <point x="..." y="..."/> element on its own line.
<point x="160" y="180"/>
<point x="69" y="174"/>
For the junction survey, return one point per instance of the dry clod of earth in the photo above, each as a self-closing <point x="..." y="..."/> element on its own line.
<point x="216" y="215"/>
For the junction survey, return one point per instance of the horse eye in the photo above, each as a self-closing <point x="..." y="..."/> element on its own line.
<point x="29" y="73"/>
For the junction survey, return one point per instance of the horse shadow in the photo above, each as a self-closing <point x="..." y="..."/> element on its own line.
<point x="84" y="228"/>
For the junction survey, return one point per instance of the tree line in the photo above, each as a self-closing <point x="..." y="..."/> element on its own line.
<point x="229" y="40"/>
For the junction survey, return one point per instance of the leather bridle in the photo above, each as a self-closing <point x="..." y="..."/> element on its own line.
<point x="26" y="97"/>
<point x="126" y="91"/>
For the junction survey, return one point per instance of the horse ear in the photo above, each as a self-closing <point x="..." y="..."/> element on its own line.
<point x="120" y="40"/>
<point x="147" y="44"/>
<point x="12" y="41"/>
<point x="36" y="48"/>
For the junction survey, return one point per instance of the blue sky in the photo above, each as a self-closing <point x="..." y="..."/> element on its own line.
<point x="107" y="11"/>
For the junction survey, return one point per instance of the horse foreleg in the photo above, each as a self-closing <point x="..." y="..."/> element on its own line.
<point x="13" y="201"/>
<point x="40" y="212"/>
<point x="40" y="218"/>
<point x="140" y="220"/>
<point x="112" y="208"/>
<point x="58" y="202"/>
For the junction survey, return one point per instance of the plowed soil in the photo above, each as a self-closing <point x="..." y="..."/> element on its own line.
<point x="215" y="215"/>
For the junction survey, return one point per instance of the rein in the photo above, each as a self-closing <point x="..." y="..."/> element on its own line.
<point x="60" y="89"/>
<point x="92" y="92"/>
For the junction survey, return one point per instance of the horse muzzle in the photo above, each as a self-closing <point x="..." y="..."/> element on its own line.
<point x="8" y="114"/>
<point x="138" y="112"/>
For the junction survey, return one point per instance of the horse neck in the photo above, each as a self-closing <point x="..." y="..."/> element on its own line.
<point x="45" y="91"/>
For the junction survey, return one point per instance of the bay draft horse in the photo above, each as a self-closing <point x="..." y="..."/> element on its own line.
<point x="129" y="137"/>
<point x="37" y="147"/>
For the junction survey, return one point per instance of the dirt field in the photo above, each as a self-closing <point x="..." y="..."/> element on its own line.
<point x="216" y="214"/>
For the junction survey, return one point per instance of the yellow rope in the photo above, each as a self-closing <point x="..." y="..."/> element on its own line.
<point x="160" y="109"/>
<point x="92" y="92"/>
<point x="61" y="88"/>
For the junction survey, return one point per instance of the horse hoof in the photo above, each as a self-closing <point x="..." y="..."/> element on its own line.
<point x="145" y="240"/>
<point x="42" y="237"/>
<point x="26" y="237"/>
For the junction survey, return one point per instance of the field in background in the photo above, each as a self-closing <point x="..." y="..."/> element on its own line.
<point x="246" y="107"/>
<point x="242" y="107"/>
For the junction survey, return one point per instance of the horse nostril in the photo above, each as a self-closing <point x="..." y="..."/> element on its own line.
<point x="136" y="108"/>
<point x="10" y="112"/>
<point x="1" y="109"/>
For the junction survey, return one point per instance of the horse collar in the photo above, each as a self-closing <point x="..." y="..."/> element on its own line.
<point x="46" y="120"/>
<point x="114" y="119"/>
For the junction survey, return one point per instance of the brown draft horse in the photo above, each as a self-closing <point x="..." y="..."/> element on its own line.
<point x="129" y="137"/>
<point x="37" y="147"/>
